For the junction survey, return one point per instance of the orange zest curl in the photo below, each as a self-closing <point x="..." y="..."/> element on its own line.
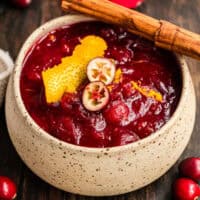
<point x="71" y="72"/>
<point x="147" y="92"/>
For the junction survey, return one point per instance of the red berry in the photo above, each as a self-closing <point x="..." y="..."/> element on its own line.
<point x="7" y="188"/>
<point x="186" y="189"/>
<point x="21" y="3"/>
<point x="117" y="112"/>
<point x="129" y="3"/>
<point x="190" y="167"/>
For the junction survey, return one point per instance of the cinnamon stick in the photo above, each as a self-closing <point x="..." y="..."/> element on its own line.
<point x="163" y="33"/>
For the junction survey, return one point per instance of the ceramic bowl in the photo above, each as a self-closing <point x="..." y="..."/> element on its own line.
<point x="6" y="67"/>
<point x="96" y="171"/>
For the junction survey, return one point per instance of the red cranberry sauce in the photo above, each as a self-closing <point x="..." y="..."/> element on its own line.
<point x="129" y="115"/>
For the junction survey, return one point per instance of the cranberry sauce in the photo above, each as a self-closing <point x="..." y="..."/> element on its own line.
<point x="129" y="115"/>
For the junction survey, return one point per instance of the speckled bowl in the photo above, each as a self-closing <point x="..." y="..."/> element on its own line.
<point x="96" y="171"/>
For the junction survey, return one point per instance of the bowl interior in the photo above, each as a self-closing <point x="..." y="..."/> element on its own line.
<point x="64" y="21"/>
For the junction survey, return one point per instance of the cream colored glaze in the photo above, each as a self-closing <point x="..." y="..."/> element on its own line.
<point x="96" y="171"/>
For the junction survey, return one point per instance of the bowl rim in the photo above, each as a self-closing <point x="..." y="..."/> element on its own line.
<point x="67" y="20"/>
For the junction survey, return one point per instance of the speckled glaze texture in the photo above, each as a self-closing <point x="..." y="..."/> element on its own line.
<point x="96" y="171"/>
<point x="6" y="66"/>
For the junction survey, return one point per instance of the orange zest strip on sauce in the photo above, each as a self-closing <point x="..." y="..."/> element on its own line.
<point x="71" y="72"/>
<point x="117" y="79"/>
<point x="118" y="76"/>
<point x="147" y="92"/>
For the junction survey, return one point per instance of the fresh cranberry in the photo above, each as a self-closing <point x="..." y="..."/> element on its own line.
<point x="186" y="189"/>
<point x="116" y="113"/>
<point x="190" y="167"/>
<point x="8" y="190"/>
<point x="129" y="3"/>
<point x="21" y="3"/>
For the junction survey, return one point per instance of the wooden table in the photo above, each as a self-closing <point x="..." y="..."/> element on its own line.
<point x="15" y="27"/>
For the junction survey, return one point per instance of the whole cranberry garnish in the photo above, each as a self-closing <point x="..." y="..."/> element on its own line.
<point x="186" y="189"/>
<point x="7" y="188"/>
<point x="190" y="167"/>
<point x="117" y="112"/>
<point x="21" y="3"/>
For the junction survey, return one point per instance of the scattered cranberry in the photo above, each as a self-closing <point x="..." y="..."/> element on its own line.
<point x="7" y="188"/>
<point x="117" y="112"/>
<point x="190" y="167"/>
<point x="21" y="3"/>
<point x="129" y="3"/>
<point x="186" y="189"/>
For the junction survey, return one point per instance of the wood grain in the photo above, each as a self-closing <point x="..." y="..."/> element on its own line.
<point x="16" y="25"/>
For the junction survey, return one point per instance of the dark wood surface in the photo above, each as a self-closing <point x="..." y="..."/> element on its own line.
<point x="15" y="27"/>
